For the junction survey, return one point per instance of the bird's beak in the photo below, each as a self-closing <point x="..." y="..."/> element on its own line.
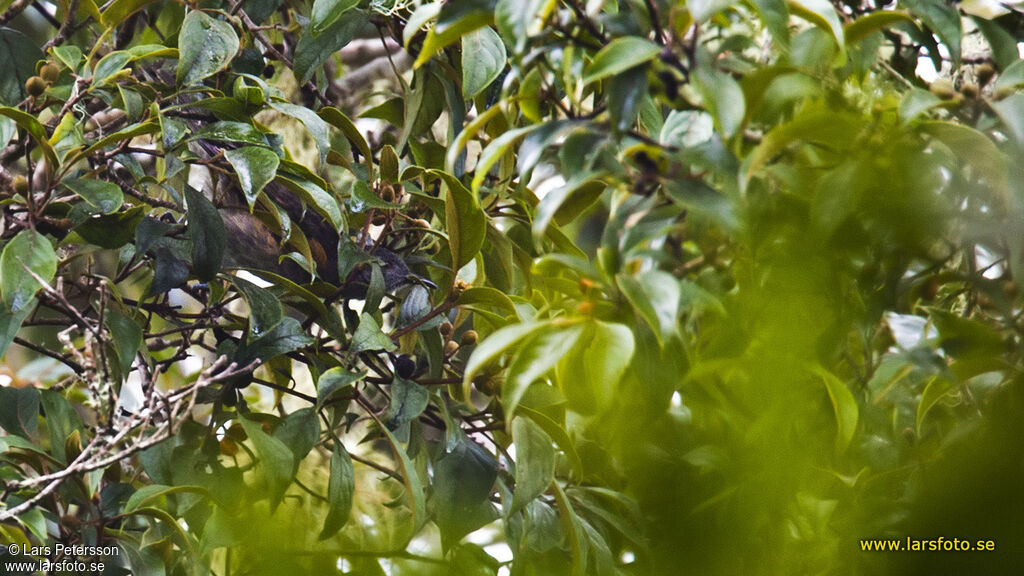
<point x="415" y="279"/>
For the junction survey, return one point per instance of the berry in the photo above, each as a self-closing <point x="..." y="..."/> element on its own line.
<point x="35" y="86"/>
<point x="405" y="366"/>
<point x="49" y="72"/>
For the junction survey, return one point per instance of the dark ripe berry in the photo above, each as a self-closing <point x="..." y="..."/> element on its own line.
<point x="35" y="86"/>
<point x="268" y="71"/>
<point x="446" y="329"/>
<point x="387" y="193"/>
<point x="469" y="338"/>
<point x="405" y="366"/>
<point x="49" y="72"/>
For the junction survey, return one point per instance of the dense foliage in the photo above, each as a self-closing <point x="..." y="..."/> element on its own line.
<point x="538" y="286"/>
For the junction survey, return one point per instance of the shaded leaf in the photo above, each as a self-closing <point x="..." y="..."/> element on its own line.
<point x="26" y="254"/>
<point x="207" y="46"/>
<point x="369" y="337"/>
<point x="18" y="57"/>
<point x="209" y="236"/>
<point x="655" y="296"/>
<point x="535" y="462"/>
<point x="276" y="460"/>
<point x="255" y="166"/>
<point x="19" y="411"/>
<point x="620" y="55"/>
<point x="265" y="310"/>
<point x="340" y="491"/>
<point x="463" y="479"/>
<point x="104" y="196"/>
<point x="483" y="59"/>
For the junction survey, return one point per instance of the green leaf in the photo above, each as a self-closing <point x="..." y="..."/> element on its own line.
<point x="256" y="167"/>
<point x="624" y="94"/>
<point x="207" y="46"/>
<point x="860" y="28"/>
<point x="1003" y="44"/>
<point x="112" y="231"/>
<point x="463" y="479"/>
<point x="104" y="196"/>
<point x="490" y="348"/>
<point x="655" y="296"/>
<point x="18" y="57"/>
<point x="723" y="99"/>
<point x="487" y="295"/>
<point x="620" y="55"/>
<point x="578" y="545"/>
<point x="1012" y="77"/>
<point x="369" y="337"/>
<point x="333" y="380"/>
<point x="286" y="336"/>
<point x="69" y="56"/>
<point x="316" y="197"/>
<point x="19" y="410"/>
<point x="119" y="10"/>
<point x="821" y="13"/>
<point x="408" y="401"/>
<point x="229" y="131"/>
<point x="61" y="420"/>
<point x="265" y="310"/>
<point x="916" y="102"/>
<point x="975" y="147"/>
<point x="535" y="359"/>
<point x="517" y="20"/>
<point x="582" y="188"/>
<point x="535" y="462"/>
<point x="153" y="491"/>
<point x="126" y="336"/>
<point x="26" y="256"/>
<point x="412" y="483"/>
<point x="389" y="164"/>
<point x="776" y="19"/>
<point x="339" y="120"/>
<point x="934" y="391"/>
<point x="209" y="237"/>
<point x="1011" y="112"/>
<point x="453" y="21"/>
<point x="845" y="407"/>
<point x="590" y="374"/>
<point x="314" y="124"/>
<point x="943" y="18"/>
<point x="10" y="323"/>
<point x="701" y="10"/>
<point x="299" y="431"/>
<point x="30" y="124"/>
<point x="276" y="460"/>
<point x="110" y="65"/>
<point x="314" y="49"/>
<point x="340" y="491"/>
<point x="494" y="152"/>
<point x="326" y="12"/>
<point x="465" y="221"/>
<point x="483" y="59"/>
